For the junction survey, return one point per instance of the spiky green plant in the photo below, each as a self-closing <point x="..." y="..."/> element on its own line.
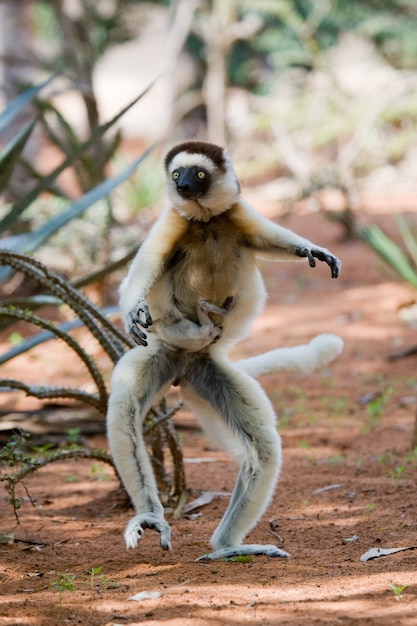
<point x="112" y="340"/>
<point x="402" y="261"/>
<point x="158" y="430"/>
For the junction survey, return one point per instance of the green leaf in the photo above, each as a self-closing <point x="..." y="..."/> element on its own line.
<point x="408" y="237"/>
<point x="46" y="182"/>
<point x="391" y="253"/>
<point x="11" y="153"/>
<point x="31" y="241"/>
<point x="69" y="141"/>
<point x="14" y="108"/>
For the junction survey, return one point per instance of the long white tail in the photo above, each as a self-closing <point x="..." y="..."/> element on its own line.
<point x="299" y="359"/>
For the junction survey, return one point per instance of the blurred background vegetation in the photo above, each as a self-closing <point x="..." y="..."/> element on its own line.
<point x="314" y="99"/>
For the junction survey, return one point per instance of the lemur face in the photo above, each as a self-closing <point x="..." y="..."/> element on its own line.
<point x="192" y="182"/>
<point x="201" y="182"/>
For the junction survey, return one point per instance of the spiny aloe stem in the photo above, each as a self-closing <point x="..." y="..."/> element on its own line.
<point x="48" y="393"/>
<point x="88" y="313"/>
<point x="84" y="309"/>
<point x="70" y="341"/>
<point x="12" y="480"/>
<point x="160" y="418"/>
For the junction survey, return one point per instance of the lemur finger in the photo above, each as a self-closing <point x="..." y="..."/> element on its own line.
<point x="165" y="539"/>
<point x="332" y="261"/>
<point x="138" y="335"/>
<point x="335" y="266"/>
<point x="309" y="254"/>
<point x="143" y="308"/>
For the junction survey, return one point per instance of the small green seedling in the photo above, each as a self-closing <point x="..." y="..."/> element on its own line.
<point x="99" y="473"/>
<point x="74" y="436"/>
<point x="64" y="583"/>
<point x="375" y="409"/>
<point x="100" y="581"/>
<point x="398" y="590"/>
<point x="93" y="573"/>
<point x="397" y="473"/>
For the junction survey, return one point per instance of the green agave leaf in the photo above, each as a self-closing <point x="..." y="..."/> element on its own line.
<point x="69" y="140"/>
<point x="20" y="102"/>
<point x="54" y="189"/>
<point x="28" y="242"/>
<point x="390" y="253"/>
<point x="408" y="237"/>
<point x="11" y="153"/>
<point x="48" y="180"/>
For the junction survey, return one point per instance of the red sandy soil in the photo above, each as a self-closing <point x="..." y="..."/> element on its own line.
<point x="330" y="437"/>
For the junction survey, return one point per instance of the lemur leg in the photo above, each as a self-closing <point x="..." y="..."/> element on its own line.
<point x="234" y="408"/>
<point x="204" y="307"/>
<point x="137" y="378"/>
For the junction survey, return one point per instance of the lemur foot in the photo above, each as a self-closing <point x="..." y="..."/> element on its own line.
<point x="208" y="307"/>
<point x="137" y="525"/>
<point x="245" y="550"/>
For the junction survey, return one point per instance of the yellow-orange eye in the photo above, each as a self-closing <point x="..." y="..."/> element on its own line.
<point x="175" y="175"/>
<point x="201" y="174"/>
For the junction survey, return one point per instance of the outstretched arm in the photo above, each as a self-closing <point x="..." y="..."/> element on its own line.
<point x="274" y="241"/>
<point x="146" y="268"/>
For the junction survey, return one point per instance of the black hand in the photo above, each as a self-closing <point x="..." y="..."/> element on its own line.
<point x="134" y="321"/>
<point x="314" y="253"/>
<point x="331" y="260"/>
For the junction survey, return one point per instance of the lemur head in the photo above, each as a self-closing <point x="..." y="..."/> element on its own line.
<point x="201" y="181"/>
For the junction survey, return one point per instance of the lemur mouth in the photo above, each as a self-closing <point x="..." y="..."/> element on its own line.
<point x="188" y="194"/>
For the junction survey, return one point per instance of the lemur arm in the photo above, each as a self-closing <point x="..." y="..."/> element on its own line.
<point x="146" y="268"/>
<point x="274" y="241"/>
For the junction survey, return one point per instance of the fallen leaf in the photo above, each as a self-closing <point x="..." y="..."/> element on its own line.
<point x="328" y="488"/>
<point x="351" y="539"/>
<point x="375" y="553"/>
<point x="193" y="516"/>
<point x="205" y="498"/>
<point x="145" y="595"/>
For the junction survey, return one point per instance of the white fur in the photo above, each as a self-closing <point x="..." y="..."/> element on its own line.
<point x="190" y="159"/>
<point x="300" y="359"/>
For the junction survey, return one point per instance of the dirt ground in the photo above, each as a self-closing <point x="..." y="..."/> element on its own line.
<point x="348" y="483"/>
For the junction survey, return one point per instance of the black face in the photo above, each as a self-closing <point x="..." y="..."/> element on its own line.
<point x="191" y="182"/>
